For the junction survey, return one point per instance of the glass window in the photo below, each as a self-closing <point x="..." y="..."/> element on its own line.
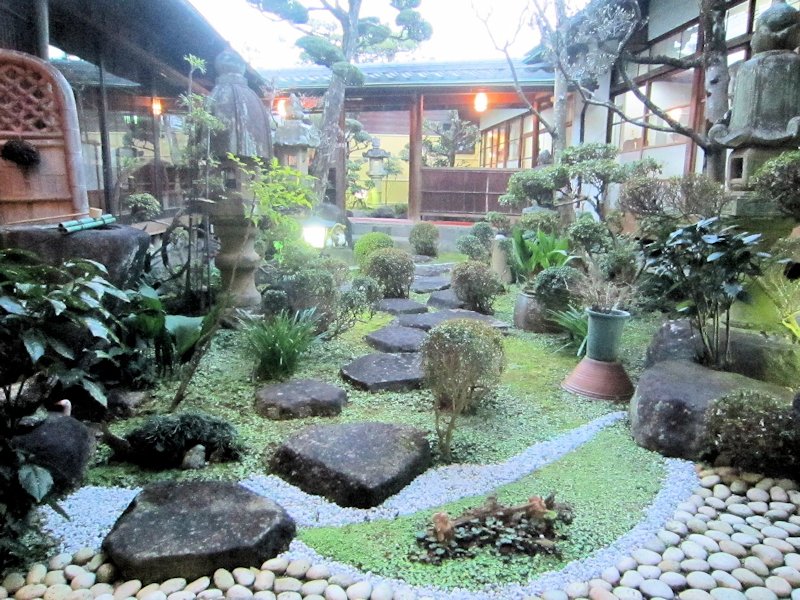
<point x="689" y="41"/>
<point x="527" y="124"/>
<point x="545" y="141"/>
<point x="736" y="20"/>
<point x="669" y="46"/>
<point x="514" y="129"/>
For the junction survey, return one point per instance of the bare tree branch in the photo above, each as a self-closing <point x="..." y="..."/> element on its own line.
<point x="678" y="63"/>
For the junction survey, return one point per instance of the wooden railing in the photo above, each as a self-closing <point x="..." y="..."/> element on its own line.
<point x="463" y="192"/>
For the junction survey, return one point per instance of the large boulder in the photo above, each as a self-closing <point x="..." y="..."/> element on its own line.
<point x="62" y="445"/>
<point x="299" y="399"/>
<point x="353" y="464"/>
<point x="668" y="410"/>
<point x="752" y="354"/>
<point x="121" y="249"/>
<point x="191" y="529"/>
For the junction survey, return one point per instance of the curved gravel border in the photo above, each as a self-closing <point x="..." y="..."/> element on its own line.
<point x="679" y="483"/>
<point x="93" y="510"/>
<point x="433" y="488"/>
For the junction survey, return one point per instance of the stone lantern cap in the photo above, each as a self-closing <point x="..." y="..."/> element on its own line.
<point x="294" y="132"/>
<point x="376" y="152"/>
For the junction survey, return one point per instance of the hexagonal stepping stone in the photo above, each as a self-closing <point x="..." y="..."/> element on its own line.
<point x="433" y="270"/>
<point x="353" y="464"/>
<point x="190" y="529"/>
<point x="424" y="285"/>
<point x="401" y="306"/>
<point x="396" y="372"/>
<point x="299" y="399"/>
<point x="445" y="299"/>
<point x="429" y="320"/>
<point x="396" y="339"/>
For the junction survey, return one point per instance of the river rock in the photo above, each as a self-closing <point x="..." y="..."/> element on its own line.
<point x="189" y="529"/>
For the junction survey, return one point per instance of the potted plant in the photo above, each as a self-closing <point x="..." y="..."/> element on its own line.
<point x="551" y="289"/>
<point x="605" y="298"/>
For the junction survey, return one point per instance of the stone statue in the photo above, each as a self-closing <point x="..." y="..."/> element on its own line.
<point x="778" y="28"/>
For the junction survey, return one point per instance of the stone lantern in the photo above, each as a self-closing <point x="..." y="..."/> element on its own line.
<point x="765" y="115"/>
<point x="377" y="164"/>
<point x="245" y="135"/>
<point x="295" y="137"/>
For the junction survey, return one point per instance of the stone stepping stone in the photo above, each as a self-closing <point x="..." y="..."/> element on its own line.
<point x="190" y="529"/>
<point x="300" y="399"/>
<point x="353" y="464"/>
<point x="401" y="306"/>
<point x="420" y="259"/>
<point x="436" y="270"/>
<point x="396" y="339"/>
<point x="428" y="321"/>
<point x="385" y="372"/>
<point x="445" y="299"/>
<point x="425" y="285"/>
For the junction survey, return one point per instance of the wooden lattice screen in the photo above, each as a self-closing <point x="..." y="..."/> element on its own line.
<point x="37" y="106"/>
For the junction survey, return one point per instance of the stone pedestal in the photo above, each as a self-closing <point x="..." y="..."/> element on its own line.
<point x="499" y="262"/>
<point x="237" y="259"/>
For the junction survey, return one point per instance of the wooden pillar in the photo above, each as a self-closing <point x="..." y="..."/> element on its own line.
<point x="415" y="158"/>
<point x="105" y="141"/>
<point x="42" y="16"/>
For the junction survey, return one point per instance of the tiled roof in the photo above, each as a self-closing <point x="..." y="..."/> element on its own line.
<point x="419" y="75"/>
<point x="81" y="73"/>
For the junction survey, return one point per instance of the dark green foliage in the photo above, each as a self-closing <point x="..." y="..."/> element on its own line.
<point x="415" y="27"/>
<point x="462" y="361"/>
<point x="351" y="74"/>
<point x="534" y="186"/>
<point x="754" y="432"/>
<point x="368" y="243"/>
<point x="680" y="199"/>
<point x="320" y="51"/>
<point x="291" y="10"/>
<point x="500" y="221"/>
<point x="590" y="235"/>
<point x="707" y="264"/>
<point x="527" y="529"/>
<point x="484" y="232"/>
<point x="473" y="247"/>
<point x="554" y="286"/>
<point x="161" y="441"/>
<point x="393" y="269"/>
<point x="143" y="206"/>
<point x="276" y="343"/>
<point x="476" y="285"/>
<point x="312" y="288"/>
<point x="424" y="239"/>
<point x="778" y="180"/>
<point x="356" y="304"/>
<point x="540" y="220"/>
<point x="400" y="210"/>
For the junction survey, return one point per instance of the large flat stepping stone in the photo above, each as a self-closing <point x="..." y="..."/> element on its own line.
<point x="396" y="339"/>
<point x="424" y="285"/>
<point x="385" y="372"/>
<point x="428" y="321"/>
<point x="445" y="299"/>
<point x="191" y="529"/>
<point x="401" y="306"/>
<point x="435" y="270"/>
<point x="353" y="464"/>
<point x="300" y="399"/>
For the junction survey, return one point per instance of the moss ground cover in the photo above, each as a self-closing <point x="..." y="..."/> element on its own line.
<point x="608" y="481"/>
<point x="529" y="407"/>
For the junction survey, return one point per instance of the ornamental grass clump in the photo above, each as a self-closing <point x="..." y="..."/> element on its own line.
<point x="462" y="361"/>
<point x="754" y="431"/>
<point x="424" y="239"/>
<point x="276" y="343"/>
<point x="476" y="286"/>
<point x="369" y="243"/>
<point x="393" y="269"/>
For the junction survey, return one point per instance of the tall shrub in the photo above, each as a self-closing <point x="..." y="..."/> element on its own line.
<point x="476" y="285"/>
<point x="393" y="269"/>
<point x="424" y="239"/>
<point x="369" y="243"/>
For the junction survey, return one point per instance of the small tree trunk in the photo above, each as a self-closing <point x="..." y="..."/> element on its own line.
<point x="330" y="135"/>
<point x="716" y="80"/>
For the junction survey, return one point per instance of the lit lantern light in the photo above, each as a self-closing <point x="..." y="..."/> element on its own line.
<point x="281" y="107"/>
<point x="481" y="102"/>
<point x="156" y="107"/>
<point x="315" y="232"/>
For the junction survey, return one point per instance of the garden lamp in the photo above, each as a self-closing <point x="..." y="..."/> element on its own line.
<point x="377" y="164"/>
<point x="316" y="231"/>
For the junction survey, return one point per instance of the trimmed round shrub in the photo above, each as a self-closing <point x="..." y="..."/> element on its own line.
<point x="369" y="243"/>
<point x="462" y="361"/>
<point x="540" y="220"/>
<point x="393" y="269"/>
<point x="476" y="286"/>
<point x="472" y="247"/>
<point x="553" y="286"/>
<point x="295" y="255"/>
<point x="484" y="232"/>
<point x="778" y="180"/>
<point x="424" y="239"/>
<point x="500" y="221"/>
<point x="312" y="288"/>
<point x="753" y="431"/>
<point x="593" y="236"/>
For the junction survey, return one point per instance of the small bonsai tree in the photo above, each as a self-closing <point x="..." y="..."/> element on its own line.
<point x="393" y="269"/>
<point x="707" y="264"/>
<point x="476" y="285"/>
<point x="473" y="247"/>
<point x="143" y="206"/>
<point x="554" y="287"/>
<point x="462" y="361"/>
<point x="424" y="239"/>
<point x="484" y="232"/>
<point x="369" y="243"/>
